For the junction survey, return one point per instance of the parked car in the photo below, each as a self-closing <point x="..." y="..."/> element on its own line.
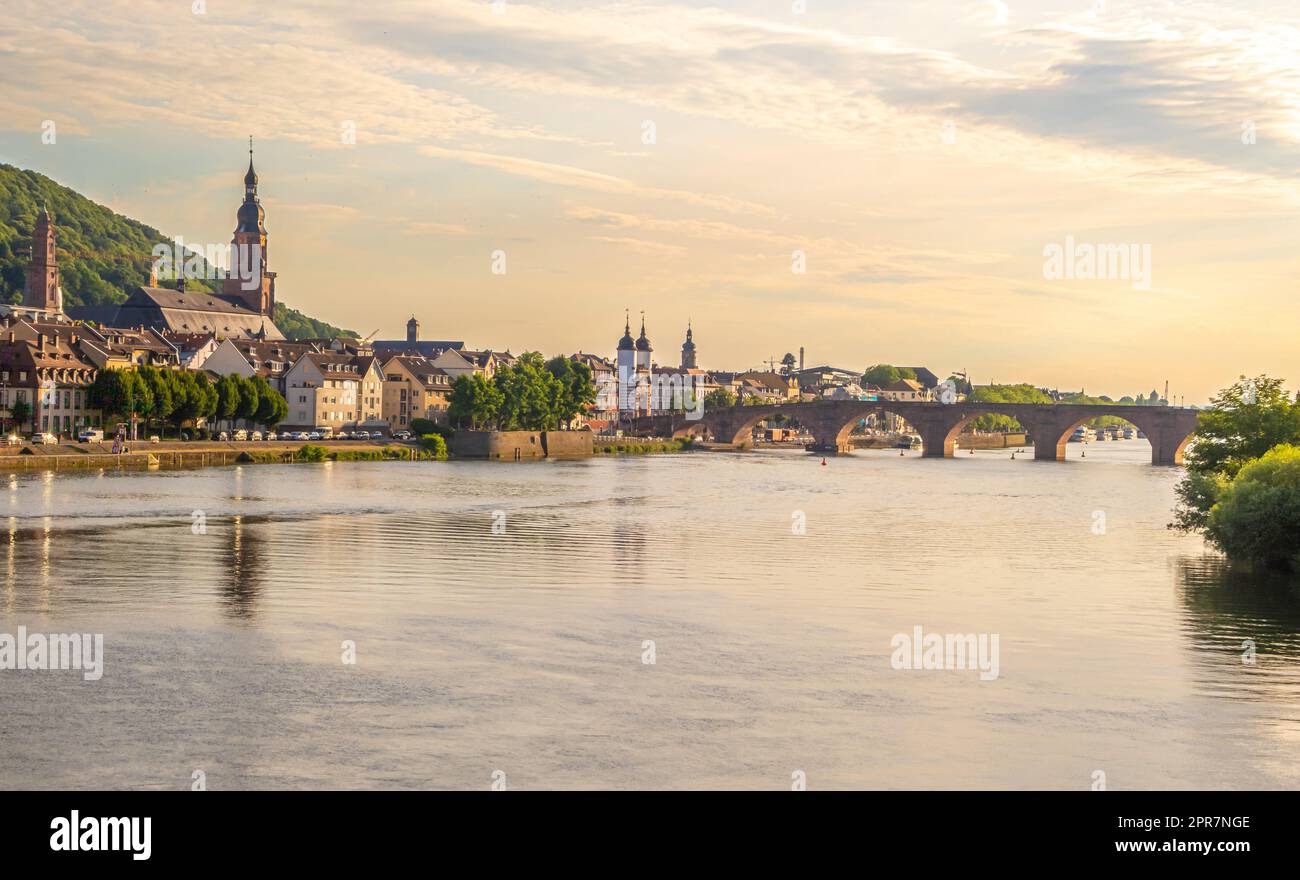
<point x="315" y="435"/>
<point x="325" y="432"/>
<point x="223" y="436"/>
<point x="153" y="438"/>
<point x="91" y="435"/>
<point x="44" y="439"/>
<point x="271" y="435"/>
<point x="241" y="434"/>
<point x="401" y="435"/>
<point x="361" y="435"/>
<point x="254" y="435"/>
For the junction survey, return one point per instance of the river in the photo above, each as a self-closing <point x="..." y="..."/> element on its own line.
<point x="504" y="617"/>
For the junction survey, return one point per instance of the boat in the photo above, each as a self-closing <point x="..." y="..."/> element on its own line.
<point x="1079" y="435"/>
<point x="1128" y="434"/>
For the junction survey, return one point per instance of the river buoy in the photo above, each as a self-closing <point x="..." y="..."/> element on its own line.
<point x="823" y="462"/>
<point x="900" y="453"/>
<point x="1083" y="454"/>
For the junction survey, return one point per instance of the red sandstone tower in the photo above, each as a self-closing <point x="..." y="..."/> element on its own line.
<point x="42" y="290"/>
<point x="249" y="280"/>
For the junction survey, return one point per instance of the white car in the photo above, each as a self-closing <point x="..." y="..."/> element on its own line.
<point x="361" y="435"/>
<point x="44" y="439"/>
<point x="271" y="435"/>
<point x="401" y="435"/>
<point x="91" y="435"/>
<point x="13" y="440"/>
<point x="254" y="435"/>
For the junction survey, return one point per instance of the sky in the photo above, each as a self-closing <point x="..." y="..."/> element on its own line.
<point x="874" y="182"/>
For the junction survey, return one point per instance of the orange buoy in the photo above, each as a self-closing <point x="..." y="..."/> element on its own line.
<point x="823" y="462"/>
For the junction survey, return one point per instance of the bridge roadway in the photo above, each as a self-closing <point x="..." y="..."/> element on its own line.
<point x="830" y="421"/>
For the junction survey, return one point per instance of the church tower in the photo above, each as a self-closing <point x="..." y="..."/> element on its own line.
<point x="688" y="350"/>
<point x="643" y="349"/>
<point x="42" y="290"/>
<point x="249" y="281"/>
<point x="412" y="330"/>
<point x="627" y="369"/>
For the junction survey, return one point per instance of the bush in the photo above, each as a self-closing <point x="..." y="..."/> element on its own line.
<point x="1257" y="516"/>
<point x="434" y="445"/>
<point x="421" y="427"/>
<point x="313" y="453"/>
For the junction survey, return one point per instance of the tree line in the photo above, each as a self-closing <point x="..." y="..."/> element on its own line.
<point x="532" y="394"/>
<point x="175" y="397"/>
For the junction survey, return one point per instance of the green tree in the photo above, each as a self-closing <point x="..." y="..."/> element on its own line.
<point x="574" y="390"/>
<point x="121" y="394"/>
<point x="228" y="398"/>
<point x="787" y="363"/>
<point x="719" y="398"/>
<point x="21" y="413"/>
<point x="271" y="405"/>
<point x="1244" y="421"/>
<point x="249" y="399"/>
<point x="1257" y="515"/>
<point x="475" y="402"/>
<point x="527" y="395"/>
<point x="881" y="375"/>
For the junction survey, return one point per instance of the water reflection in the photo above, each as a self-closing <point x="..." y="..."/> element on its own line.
<point x="1232" y="612"/>
<point x="247" y="562"/>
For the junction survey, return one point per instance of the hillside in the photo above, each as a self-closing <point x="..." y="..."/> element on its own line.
<point x="102" y="255"/>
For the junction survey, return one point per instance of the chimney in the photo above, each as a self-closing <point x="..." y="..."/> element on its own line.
<point x="801" y="358"/>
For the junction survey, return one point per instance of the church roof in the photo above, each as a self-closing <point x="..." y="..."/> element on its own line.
<point x="188" y="311"/>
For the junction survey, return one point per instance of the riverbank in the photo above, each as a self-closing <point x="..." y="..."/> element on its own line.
<point x="176" y="454"/>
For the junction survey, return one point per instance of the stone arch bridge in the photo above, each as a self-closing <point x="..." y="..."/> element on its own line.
<point x="831" y="421"/>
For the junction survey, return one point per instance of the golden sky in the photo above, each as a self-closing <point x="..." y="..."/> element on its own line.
<point x="684" y="159"/>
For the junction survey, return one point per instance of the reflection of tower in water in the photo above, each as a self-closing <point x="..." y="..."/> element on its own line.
<point x="246" y="567"/>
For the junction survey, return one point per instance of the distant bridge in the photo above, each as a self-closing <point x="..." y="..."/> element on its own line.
<point x="831" y="421"/>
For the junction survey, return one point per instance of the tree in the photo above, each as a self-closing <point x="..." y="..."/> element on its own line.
<point x="249" y="399"/>
<point x="475" y="402"/>
<point x="1244" y="421"/>
<point x="574" y="391"/>
<point x="228" y="398"/>
<point x="1257" y="515"/>
<point x="271" y="405"/>
<point x="882" y="375"/>
<point x="719" y="398"/>
<point x="121" y="393"/>
<point x="161" y="392"/>
<point x="787" y="363"/>
<point x="21" y="412"/>
<point x="528" y="394"/>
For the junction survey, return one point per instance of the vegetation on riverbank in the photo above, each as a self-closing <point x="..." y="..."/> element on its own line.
<point x="643" y="447"/>
<point x="1242" y="489"/>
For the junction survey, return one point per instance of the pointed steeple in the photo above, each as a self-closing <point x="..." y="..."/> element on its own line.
<point x="626" y="343"/>
<point x="642" y="342"/>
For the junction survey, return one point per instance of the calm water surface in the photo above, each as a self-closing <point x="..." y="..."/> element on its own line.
<point x="522" y="652"/>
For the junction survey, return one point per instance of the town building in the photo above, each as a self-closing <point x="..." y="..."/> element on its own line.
<point x="326" y="390"/>
<point x="414" y="388"/>
<point x="51" y="378"/>
<point x="413" y="345"/>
